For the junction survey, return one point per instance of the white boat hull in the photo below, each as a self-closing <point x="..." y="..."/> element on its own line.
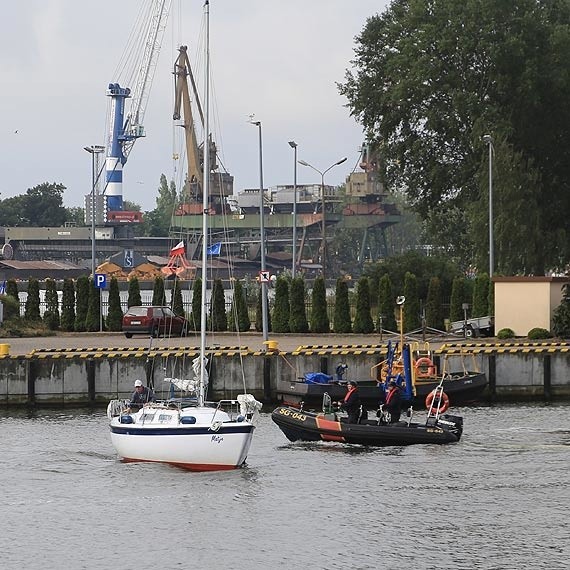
<point x="214" y="442"/>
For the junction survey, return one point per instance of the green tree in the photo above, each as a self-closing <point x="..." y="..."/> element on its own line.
<point x="342" y="322"/>
<point x="51" y="313"/>
<point x="458" y="297"/>
<point x="114" y="310"/>
<point x="386" y="305"/>
<point x="93" y="319"/>
<point x="82" y="303"/>
<point x="158" y="221"/>
<point x="218" y="316"/>
<point x="281" y="309"/>
<point x="481" y="296"/>
<point x="12" y="310"/>
<point x="134" y="296"/>
<point x="412" y="304"/>
<point x="561" y="317"/>
<point x="158" y="293"/>
<point x="319" y="312"/>
<point x="196" y="313"/>
<point x="68" y="306"/>
<point x="176" y="302"/>
<point x="32" y="309"/>
<point x="429" y="79"/>
<point x="239" y="314"/>
<point x="363" y="322"/>
<point x="298" y="316"/>
<point x="434" y="310"/>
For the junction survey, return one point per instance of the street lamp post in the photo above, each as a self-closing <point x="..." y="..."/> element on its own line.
<point x="489" y="140"/>
<point x="94" y="149"/>
<point x="323" y="207"/>
<point x="264" y="308"/>
<point x="293" y="145"/>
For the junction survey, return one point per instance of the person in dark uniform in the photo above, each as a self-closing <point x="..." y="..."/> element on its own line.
<point x="393" y="403"/>
<point x="142" y="395"/>
<point x="351" y="402"/>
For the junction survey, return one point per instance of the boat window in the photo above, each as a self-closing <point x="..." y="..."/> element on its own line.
<point x="164" y="418"/>
<point x="147" y="418"/>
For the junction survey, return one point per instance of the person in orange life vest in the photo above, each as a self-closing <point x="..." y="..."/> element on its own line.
<point x="351" y="402"/>
<point x="393" y="403"/>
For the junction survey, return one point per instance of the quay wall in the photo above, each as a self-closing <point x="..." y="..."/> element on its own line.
<point x="538" y="371"/>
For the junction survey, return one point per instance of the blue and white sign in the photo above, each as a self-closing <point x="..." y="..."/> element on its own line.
<point x="100" y="280"/>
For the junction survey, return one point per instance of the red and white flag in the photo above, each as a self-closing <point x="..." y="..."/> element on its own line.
<point x="178" y="249"/>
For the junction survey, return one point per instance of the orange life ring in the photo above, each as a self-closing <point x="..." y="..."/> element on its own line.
<point x="425" y="368"/>
<point x="443" y="399"/>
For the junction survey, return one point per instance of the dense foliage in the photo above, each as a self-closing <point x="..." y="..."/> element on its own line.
<point x="114" y="311"/>
<point x="158" y="292"/>
<point x="134" y="294"/>
<point x="386" y="305"/>
<point x="298" y="316"/>
<point x="319" y="314"/>
<point x="561" y="318"/>
<point x="342" y="323"/>
<point x="363" y="322"/>
<point x="281" y="309"/>
<point x="239" y="316"/>
<point x="51" y="313"/>
<point x="430" y="79"/>
<point x="94" y="320"/>
<point x="218" y="316"/>
<point x="32" y="310"/>
<point x="82" y="303"/>
<point x="434" y="313"/>
<point x="68" y="306"/>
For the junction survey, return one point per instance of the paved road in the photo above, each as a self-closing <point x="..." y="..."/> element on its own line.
<point x="254" y="341"/>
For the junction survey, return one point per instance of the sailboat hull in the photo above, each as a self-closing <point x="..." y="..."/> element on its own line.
<point x="158" y="435"/>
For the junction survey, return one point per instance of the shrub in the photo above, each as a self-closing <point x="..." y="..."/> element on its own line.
<point x="386" y="305"/>
<point x="538" y="333"/>
<point x="218" y="316"/>
<point x="196" y="311"/>
<point x="134" y="299"/>
<point x="32" y="312"/>
<point x="319" y="315"/>
<point x="51" y="314"/>
<point x="363" y="322"/>
<point x="68" y="306"/>
<point x="11" y="307"/>
<point x="412" y="304"/>
<point x="281" y="309"/>
<point x="176" y="302"/>
<point x="239" y="314"/>
<point x="82" y="302"/>
<point x="114" y="312"/>
<point x="505" y="334"/>
<point x="298" y="315"/>
<point x="158" y="293"/>
<point x="341" y="320"/>
<point x="561" y="317"/>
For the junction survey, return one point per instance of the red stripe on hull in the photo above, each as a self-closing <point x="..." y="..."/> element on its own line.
<point x="332" y="426"/>
<point x="187" y="466"/>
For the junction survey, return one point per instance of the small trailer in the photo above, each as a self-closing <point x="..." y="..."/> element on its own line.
<point x="478" y="326"/>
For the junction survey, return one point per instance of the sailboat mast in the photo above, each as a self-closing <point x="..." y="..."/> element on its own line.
<point x="205" y="195"/>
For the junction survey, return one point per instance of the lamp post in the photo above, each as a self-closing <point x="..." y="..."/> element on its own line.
<point x="94" y="149"/>
<point x="293" y="145"/>
<point x="323" y="207"/>
<point x="489" y="140"/>
<point x="264" y="307"/>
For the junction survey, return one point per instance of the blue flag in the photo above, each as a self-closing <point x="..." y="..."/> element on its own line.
<point x="215" y="249"/>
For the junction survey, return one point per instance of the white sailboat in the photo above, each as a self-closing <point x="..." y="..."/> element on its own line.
<point x="189" y="433"/>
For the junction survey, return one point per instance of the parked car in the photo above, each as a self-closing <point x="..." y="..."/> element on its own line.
<point x="154" y="321"/>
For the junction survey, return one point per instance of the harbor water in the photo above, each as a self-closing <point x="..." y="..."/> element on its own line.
<point x="497" y="500"/>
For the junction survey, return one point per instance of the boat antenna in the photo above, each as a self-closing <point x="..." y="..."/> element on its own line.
<point x="205" y="197"/>
<point x="400" y="302"/>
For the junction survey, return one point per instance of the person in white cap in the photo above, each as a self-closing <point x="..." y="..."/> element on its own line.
<point x="142" y="395"/>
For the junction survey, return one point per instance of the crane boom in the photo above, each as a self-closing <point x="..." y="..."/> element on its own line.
<point x="125" y="129"/>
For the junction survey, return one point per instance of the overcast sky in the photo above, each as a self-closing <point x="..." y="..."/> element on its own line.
<point x="279" y="59"/>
